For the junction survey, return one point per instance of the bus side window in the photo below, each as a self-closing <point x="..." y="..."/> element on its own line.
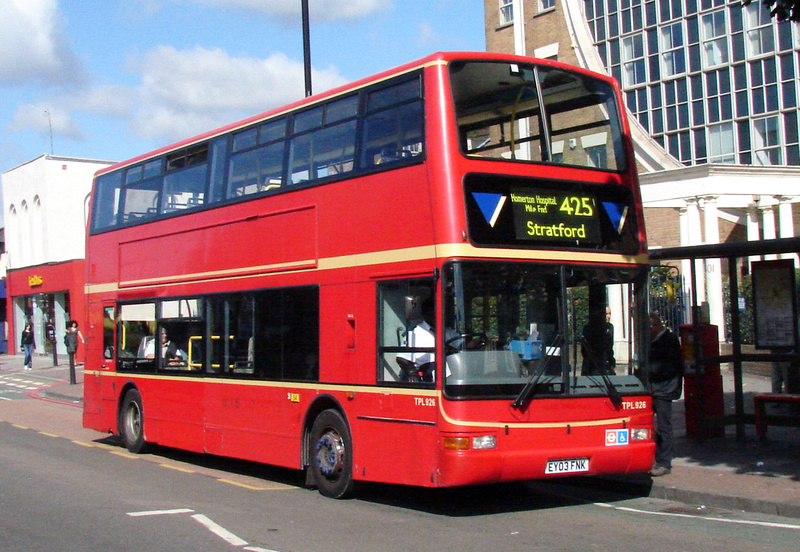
<point x="181" y="330"/>
<point x="392" y="136"/>
<point x="136" y="337"/>
<point x="105" y="205"/>
<point x="108" y="333"/>
<point x="269" y="334"/>
<point x="406" y="335"/>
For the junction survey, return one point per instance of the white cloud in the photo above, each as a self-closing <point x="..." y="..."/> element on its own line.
<point x="56" y="112"/>
<point x="185" y="92"/>
<point x="44" y="120"/>
<point x="426" y="35"/>
<point x="181" y="93"/>
<point x="319" y="10"/>
<point x="33" y="44"/>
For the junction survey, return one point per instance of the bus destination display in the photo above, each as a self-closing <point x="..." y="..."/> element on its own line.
<point x="547" y="215"/>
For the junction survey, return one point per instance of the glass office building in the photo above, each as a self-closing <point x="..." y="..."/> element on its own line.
<point x="709" y="80"/>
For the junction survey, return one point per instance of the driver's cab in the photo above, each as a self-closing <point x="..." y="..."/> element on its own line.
<point x="407" y="331"/>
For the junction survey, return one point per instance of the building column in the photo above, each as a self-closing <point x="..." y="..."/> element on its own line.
<point x="786" y="223"/>
<point x="686" y="264"/>
<point x="694" y="236"/>
<point x="60" y="322"/>
<point x="39" y="318"/>
<point x="768" y="222"/>
<point x="519" y="27"/>
<point x="20" y="318"/>
<point x="618" y="303"/>
<point x="753" y="226"/>
<point x="523" y="149"/>
<point x="713" y="267"/>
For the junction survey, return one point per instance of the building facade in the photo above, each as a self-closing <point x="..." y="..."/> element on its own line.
<point x="45" y="207"/>
<point x="712" y="91"/>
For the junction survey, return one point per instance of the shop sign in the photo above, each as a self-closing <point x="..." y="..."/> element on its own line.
<point x="35" y="280"/>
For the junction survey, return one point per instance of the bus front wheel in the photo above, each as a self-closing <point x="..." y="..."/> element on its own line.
<point x="131" y="422"/>
<point x="331" y="455"/>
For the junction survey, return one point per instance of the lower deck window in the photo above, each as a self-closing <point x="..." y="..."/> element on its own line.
<point x="265" y="334"/>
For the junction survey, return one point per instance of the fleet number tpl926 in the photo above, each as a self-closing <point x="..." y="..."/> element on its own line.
<point x="424" y="401"/>
<point x="633" y="405"/>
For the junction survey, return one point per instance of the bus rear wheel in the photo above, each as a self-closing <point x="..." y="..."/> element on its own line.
<point x="331" y="455"/>
<point x="131" y="422"/>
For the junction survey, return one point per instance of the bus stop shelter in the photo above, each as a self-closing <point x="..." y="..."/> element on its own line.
<point x="731" y="253"/>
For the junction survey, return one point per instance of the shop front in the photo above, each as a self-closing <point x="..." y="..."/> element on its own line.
<point x="46" y="296"/>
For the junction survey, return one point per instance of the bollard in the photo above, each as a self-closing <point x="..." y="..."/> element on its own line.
<point x="72" y="380"/>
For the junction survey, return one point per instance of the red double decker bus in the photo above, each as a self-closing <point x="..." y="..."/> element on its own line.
<point x="402" y="280"/>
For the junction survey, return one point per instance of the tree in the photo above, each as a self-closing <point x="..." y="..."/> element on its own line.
<point x="782" y="10"/>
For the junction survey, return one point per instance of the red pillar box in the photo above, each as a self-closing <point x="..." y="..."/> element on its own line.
<point x="702" y="386"/>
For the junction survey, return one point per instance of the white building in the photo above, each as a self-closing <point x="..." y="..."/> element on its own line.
<point x="45" y="204"/>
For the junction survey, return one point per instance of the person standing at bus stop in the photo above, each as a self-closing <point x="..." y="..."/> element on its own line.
<point x="28" y="344"/>
<point x="71" y="341"/>
<point x="665" y="377"/>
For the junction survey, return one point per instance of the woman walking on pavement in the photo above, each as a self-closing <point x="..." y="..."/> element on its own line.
<point x="71" y="341"/>
<point x="28" y="345"/>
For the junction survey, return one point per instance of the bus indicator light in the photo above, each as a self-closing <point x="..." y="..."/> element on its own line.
<point x="456" y="443"/>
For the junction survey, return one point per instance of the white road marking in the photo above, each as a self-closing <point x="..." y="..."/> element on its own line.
<point x="209" y="524"/>
<point x="161" y="512"/>
<point x="220" y="531"/>
<point x="720" y="520"/>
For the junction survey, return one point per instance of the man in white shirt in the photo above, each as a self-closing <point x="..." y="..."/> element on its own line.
<point x="421" y="336"/>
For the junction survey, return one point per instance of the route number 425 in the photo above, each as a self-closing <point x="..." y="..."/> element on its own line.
<point x="575" y="206"/>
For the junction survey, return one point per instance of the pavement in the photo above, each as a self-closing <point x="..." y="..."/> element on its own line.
<point x="721" y="472"/>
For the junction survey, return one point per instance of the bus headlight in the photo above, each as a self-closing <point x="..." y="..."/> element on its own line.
<point x="484" y="442"/>
<point x="640" y="434"/>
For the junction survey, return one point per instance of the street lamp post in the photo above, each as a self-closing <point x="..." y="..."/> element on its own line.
<point x="306" y="47"/>
<point x="49" y="123"/>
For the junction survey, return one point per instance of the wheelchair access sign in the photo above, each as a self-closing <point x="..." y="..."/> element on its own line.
<point x="616" y="437"/>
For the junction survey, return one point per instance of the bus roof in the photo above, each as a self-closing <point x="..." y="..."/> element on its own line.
<point x="432" y="59"/>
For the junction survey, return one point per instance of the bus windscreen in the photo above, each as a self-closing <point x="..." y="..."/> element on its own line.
<point x="514" y="112"/>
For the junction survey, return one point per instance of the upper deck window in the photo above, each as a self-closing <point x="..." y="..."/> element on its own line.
<point x="528" y="113"/>
<point x="105" y="206"/>
<point x="393" y="129"/>
<point x="325" y="141"/>
<point x="379" y="127"/>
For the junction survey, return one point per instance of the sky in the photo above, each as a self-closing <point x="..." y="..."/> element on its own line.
<point x="117" y="78"/>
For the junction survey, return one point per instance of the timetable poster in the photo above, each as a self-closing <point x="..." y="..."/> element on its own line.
<point x="775" y="307"/>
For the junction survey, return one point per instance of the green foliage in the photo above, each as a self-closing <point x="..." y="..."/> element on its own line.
<point x="746" y="320"/>
<point x="666" y="296"/>
<point x="782" y="10"/>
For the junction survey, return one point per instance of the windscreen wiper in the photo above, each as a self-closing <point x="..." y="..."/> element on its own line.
<point x="527" y="392"/>
<point x="611" y="390"/>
